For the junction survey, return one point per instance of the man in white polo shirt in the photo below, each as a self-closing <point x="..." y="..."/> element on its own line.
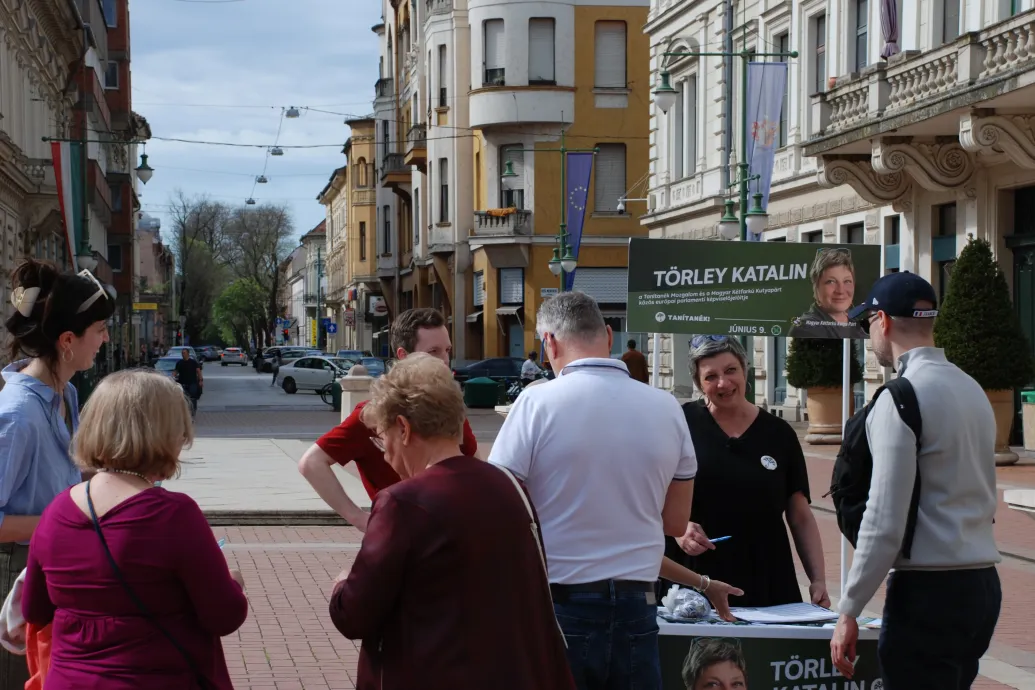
<point x="609" y="465"/>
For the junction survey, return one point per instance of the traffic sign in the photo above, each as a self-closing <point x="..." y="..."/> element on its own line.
<point x="326" y="321"/>
<point x="332" y="328"/>
<point x="145" y="306"/>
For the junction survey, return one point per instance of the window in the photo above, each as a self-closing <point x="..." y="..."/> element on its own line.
<point x="385" y="141"/>
<point x="541" y="51"/>
<point x="361" y="172"/>
<point x="678" y="132"/>
<point x="819" y="26"/>
<point x="862" y="11"/>
<point x="893" y="229"/>
<point x="495" y="72"/>
<point x="783" y="45"/>
<point x="416" y="218"/>
<point x="109" y="13"/>
<point x="443" y="190"/>
<point x="111" y="75"/>
<point x="610" y="173"/>
<point x="512" y="286"/>
<point x="512" y="189"/>
<point x="478" y="294"/>
<point x="609" y="55"/>
<point x="115" y="257"/>
<point x="362" y="240"/>
<point x="386" y="238"/>
<point x="945" y="219"/>
<point x="855" y="233"/>
<point x="684" y="129"/>
<point x="950" y="20"/>
<point x="443" y="95"/>
<point x="116" y="196"/>
<point x="813" y="237"/>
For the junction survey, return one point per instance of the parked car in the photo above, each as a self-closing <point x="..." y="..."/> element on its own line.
<point x="167" y="365"/>
<point x="234" y="355"/>
<point x="209" y="353"/>
<point x="175" y="352"/>
<point x="287" y="354"/>
<point x="496" y="368"/>
<point x="311" y="373"/>
<point x="355" y="354"/>
<point x="375" y="366"/>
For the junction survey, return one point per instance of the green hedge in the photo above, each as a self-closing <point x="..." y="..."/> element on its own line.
<point x="817" y="363"/>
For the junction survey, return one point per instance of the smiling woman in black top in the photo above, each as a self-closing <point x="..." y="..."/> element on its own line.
<point x="751" y="472"/>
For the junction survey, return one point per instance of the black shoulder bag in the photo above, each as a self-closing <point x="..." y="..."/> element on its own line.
<point x="198" y="676"/>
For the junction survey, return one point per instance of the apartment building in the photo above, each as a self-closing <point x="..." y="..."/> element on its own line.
<point x="363" y="311"/>
<point x="468" y="86"/>
<point x="334" y="198"/>
<point x="913" y="152"/>
<point x="155" y="277"/>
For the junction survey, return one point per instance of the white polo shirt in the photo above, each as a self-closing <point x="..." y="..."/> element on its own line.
<point x="597" y="451"/>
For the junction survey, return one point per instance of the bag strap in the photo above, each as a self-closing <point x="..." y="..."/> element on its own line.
<point x="133" y="595"/>
<point x="535" y="536"/>
<point x="908" y="407"/>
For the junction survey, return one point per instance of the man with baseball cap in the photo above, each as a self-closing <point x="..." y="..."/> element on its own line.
<point x="942" y="603"/>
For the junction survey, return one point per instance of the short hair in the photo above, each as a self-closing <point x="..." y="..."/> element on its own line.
<point x="828" y="257"/>
<point x="422" y="389"/>
<point x="631" y="344"/>
<point x="407" y="325"/>
<point x="533" y="354"/>
<point x="136" y="420"/>
<point x="707" y="652"/>
<point x="571" y="316"/>
<point x="711" y="347"/>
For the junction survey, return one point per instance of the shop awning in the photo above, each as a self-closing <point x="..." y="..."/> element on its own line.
<point x="514" y="311"/>
<point x="474" y="316"/>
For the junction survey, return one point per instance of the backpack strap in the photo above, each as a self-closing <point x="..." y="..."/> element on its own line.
<point x="909" y="410"/>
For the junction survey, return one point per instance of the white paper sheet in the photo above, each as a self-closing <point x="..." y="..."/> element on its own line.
<point x="784" y="614"/>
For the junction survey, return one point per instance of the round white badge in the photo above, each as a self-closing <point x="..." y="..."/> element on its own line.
<point x="769" y="462"/>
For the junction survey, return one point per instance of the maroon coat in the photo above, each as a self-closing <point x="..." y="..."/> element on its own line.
<point x="448" y="591"/>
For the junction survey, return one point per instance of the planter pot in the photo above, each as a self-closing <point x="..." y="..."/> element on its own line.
<point x="824" y="405"/>
<point x="1002" y="406"/>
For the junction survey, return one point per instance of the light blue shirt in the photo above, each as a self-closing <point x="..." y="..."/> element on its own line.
<point x="35" y="463"/>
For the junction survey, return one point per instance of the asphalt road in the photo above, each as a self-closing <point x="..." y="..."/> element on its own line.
<point x="239" y="389"/>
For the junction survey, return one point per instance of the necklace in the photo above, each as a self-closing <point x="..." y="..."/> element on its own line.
<point x="128" y="472"/>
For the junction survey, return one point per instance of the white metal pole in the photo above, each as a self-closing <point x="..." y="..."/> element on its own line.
<point x="655" y="360"/>
<point x="846" y="397"/>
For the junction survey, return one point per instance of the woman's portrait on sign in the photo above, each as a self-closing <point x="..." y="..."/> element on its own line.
<point x="715" y="664"/>
<point x="833" y="290"/>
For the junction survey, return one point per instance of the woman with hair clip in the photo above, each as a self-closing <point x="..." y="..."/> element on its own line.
<point x="57" y="325"/>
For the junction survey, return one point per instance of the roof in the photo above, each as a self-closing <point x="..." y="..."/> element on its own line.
<point x="320" y="229"/>
<point x="330" y="182"/>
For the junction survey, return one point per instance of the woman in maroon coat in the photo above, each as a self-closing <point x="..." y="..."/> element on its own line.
<point x="448" y="590"/>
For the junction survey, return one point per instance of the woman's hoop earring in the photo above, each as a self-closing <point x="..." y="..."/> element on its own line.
<point x="66" y="355"/>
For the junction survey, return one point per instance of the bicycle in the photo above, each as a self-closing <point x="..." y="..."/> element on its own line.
<point x="327" y="394"/>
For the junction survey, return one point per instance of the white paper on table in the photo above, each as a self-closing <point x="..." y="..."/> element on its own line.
<point x="784" y="614"/>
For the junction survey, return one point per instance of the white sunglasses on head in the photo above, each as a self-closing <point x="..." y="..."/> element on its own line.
<point x="101" y="291"/>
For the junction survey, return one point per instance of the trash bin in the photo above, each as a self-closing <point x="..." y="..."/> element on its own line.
<point x="481" y="392"/>
<point x="336" y="395"/>
<point x="1028" y="418"/>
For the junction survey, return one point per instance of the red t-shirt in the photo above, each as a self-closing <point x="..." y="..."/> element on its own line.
<point x="350" y="442"/>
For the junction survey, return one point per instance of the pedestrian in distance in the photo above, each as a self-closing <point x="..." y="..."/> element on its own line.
<point x="605" y="496"/>
<point x="58" y="325"/>
<point x="635" y="362"/>
<point x="188" y="374"/>
<point x="275" y="365"/>
<point x="414" y="330"/>
<point x="943" y="597"/>
<point x="529" y="369"/>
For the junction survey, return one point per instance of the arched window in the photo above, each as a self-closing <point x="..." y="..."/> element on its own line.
<point x="361" y="172"/>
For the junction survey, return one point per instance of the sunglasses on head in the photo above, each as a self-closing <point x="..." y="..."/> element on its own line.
<point x="101" y="291"/>
<point x="700" y="340"/>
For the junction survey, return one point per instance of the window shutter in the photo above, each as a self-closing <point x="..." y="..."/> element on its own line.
<point x="478" y="298"/>
<point x="610" y="177"/>
<point x="541" y="50"/>
<point x="493" y="43"/>
<point x="691" y="126"/>
<point x="610" y="55"/>
<point x="676" y="128"/>
<point x="512" y="286"/>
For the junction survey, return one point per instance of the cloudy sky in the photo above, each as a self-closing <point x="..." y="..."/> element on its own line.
<point x="224" y="72"/>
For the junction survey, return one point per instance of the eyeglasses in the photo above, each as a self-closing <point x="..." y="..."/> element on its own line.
<point x="700" y="340"/>
<point x="378" y="442"/>
<point x="101" y="291"/>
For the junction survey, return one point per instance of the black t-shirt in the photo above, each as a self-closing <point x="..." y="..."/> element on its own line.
<point x="742" y="489"/>
<point x="187" y="372"/>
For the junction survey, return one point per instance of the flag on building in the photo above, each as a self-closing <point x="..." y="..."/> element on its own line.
<point x="580" y="169"/>
<point x="767" y="84"/>
<point x="68" y="175"/>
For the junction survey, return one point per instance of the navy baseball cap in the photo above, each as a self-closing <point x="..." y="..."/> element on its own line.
<point x="896" y="294"/>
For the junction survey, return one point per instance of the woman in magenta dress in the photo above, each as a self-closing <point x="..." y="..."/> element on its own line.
<point x="140" y="594"/>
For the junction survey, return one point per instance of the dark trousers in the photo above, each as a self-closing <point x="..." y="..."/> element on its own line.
<point x="936" y="626"/>
<point x="14" y="672"/>
<point x="612" y="639"/>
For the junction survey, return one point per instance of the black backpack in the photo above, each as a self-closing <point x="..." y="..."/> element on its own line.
<point x="853" y="469"/>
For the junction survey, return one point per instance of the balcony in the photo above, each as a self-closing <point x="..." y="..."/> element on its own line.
<point x="364" y="197"/>
<point x="931" y="94"/>
<point x="502" y="223"/>
<point x="440" y="240"/>
<point x="439" y="6"/>
<point x="98" y="194"/>
<point x="394" y="171"/>
<point x="496" y="104"/>
<point x="417" y="147"/>
<point x="384" y="88"/>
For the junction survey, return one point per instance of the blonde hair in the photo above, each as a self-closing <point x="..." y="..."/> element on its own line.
<point x="137" y="421"/>
<point x="421" y="389"/>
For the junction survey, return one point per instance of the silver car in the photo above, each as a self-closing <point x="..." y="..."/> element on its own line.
<point x="311" y="373"/>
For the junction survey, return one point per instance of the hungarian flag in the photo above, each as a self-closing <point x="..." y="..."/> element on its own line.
<point x="68" y="173"/>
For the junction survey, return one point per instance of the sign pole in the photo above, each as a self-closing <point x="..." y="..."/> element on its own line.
<point x="655" y="360"/>
<point x="846" y="392"/>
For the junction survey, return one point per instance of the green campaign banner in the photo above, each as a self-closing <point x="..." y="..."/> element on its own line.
<point x="707" y="287"/>
<point x="762" y="663"/>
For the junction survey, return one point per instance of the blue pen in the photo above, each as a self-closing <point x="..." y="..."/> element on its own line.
<point x="716" y="541"/>
<point x="222" y="543"/>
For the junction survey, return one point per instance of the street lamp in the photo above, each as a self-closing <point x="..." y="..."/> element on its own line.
<point x="144" y="171"/>
<point x="508" y="170"/>
<point x="729" y="224"/>
<point x="757" y="219"/>
<point x="291" y="113"/>
<point x="665" y="95"/>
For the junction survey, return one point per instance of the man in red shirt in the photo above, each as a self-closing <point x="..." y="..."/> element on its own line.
<point x="414" y="330"/>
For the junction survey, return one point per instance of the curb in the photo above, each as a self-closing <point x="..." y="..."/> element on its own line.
<point x="266" y="408"/>
<point x="275" y="518"/>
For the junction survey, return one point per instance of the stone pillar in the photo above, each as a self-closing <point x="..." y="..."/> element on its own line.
<point x="355" y="388"/>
